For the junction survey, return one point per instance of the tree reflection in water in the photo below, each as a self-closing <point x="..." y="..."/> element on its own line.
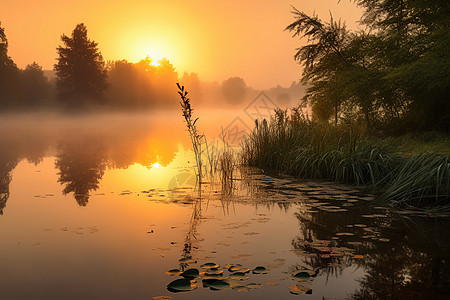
<point x="81" y="166"/>
<point x="404" y="256"/>
<point x="84" y="147"/>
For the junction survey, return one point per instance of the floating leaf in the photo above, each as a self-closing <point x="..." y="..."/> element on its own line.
<point x="260" y="270"/>
<point x="241" y="288"/>
<point x="208" y="281"/>
<point x="162" y="298"/>
<point x="173" y="272"/>
<point x="254" y="285"/>
<point x="219" y="285"/>
<point x="299" y="289"/>
<point x="239" y="276"/>
<point x="213" y="271"/>
<point x="181" y="285"/>
<point x="190" y="273"/>
<point x="301" y="275"/>
<point x="209" y="265"/>
<point x="234" y="268"/>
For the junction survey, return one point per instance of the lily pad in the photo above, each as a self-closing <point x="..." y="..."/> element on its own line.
<point x="239" y="276"/>
<point x="190" y="273"/>
<point x="208" y="281"/>
<point x="173" y="272"/>
<point x="254" y="285"/>
<point x="241" y="288"/>
<point x="301" y="275"/>
<point x="299" y="289"/>
<point x="244" y="270"/>
<point x="181" y="285"/>
<point x="234" y="268"/>
<point x="219" y="285"/>
<point x="260" y="270"/>
<point x="208" y="275"/>
<point x="209" y="265"/>
<point x="214" y="271"/>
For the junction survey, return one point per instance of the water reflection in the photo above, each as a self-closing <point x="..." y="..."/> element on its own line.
<point x="85" y="147"/>
<point x="6" y="167"/>
<point x="81" y="167"/>
<point x="249" y="221"/>
<point x="405" y="256"/>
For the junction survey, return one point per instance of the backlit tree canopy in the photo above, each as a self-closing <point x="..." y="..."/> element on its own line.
<point x="81" y="74"/>
<point x="396" y="71"/>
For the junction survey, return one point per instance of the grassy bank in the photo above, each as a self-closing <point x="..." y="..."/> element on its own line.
<point x="395" y="171"/>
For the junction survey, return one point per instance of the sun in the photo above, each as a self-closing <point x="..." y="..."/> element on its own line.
<point x="155" y="58"/>
<point x="156" y="165"/>
<point x="154" y="48"/>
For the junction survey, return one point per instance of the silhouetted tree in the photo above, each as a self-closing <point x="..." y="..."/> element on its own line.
<point x="142" y="84"/>
<point x="234" y="89"/>
<point x="81" y="74"/>
<point x="35" y="86"/>
<point x="9" y="74"/>
<point x="192" y="82"/>
<point x="397" y="70"/>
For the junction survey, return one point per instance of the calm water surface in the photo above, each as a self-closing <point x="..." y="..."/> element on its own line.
<point x="101" y="207"/>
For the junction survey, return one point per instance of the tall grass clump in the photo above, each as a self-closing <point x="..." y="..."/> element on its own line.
<point x="196" y="138"/>
<point x="292" y="144"/>
<point x="227" y="165"/>
<point x="421" y="180"/>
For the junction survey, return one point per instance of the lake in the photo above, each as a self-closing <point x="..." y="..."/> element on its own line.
<point x="104" y="206"/>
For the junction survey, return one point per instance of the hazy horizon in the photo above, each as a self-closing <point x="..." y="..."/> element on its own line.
<point x="215" y="41"/>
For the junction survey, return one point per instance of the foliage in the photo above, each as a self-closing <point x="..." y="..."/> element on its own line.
<point x="36" y="87"/>
<point x="294" y="145"/>
<point x="234" y="89"/>
<point x="81" y="74"/>
<point x="394" y="72"/>
<point x="142" y="84"/>
<point x="9" y="74"/>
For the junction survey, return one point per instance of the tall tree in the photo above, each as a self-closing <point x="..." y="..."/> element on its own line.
<point x="35" y="86"/>
<point x="398" y="69"/>
<point x="234" y="89"/>
<point x="81" y="73"/>
<point x="9" y="81"/>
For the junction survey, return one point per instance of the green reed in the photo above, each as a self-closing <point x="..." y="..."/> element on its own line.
<point x="196" y="138"/>
<point x="290" y="143"/>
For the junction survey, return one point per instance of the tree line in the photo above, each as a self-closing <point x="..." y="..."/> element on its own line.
<point x="83" y="79"/>
<point x="393" y="74"/>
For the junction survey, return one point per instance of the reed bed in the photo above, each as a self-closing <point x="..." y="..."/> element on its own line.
<point x="290" y="143"/>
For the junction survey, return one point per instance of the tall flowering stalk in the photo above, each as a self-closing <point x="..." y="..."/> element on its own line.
<point x="196" y="138"/>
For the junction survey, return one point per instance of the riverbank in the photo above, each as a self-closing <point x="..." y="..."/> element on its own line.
<point x="409" y="170"/>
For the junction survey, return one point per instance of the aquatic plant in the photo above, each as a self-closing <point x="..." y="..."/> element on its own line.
<point x="422" y="179"/>
<point x="294" y="145"/>
<point x="196" y="138"/>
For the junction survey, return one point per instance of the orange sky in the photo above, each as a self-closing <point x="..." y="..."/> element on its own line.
<point x="216" y="39"/>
